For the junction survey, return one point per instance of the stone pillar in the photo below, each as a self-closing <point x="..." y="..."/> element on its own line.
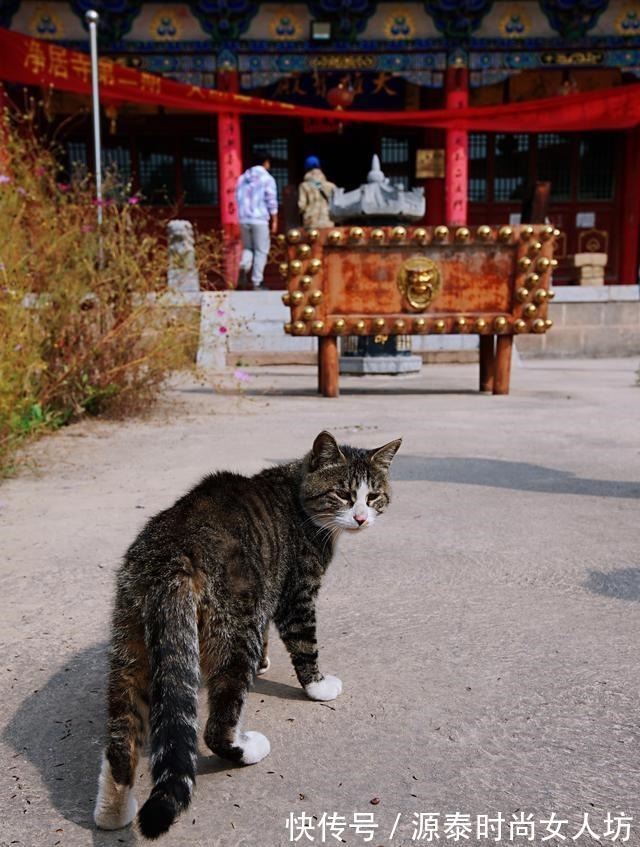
<point x="229" y="169"/>
<point x="456" y="146"/>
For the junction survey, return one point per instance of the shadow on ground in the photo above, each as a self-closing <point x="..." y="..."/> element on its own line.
<point x="59" y="729"/>
<point x="498" y="473"/>
<point x="621" y="585"/>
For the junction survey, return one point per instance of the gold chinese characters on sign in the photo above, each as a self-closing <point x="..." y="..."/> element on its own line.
<point x="419" y="282"/>
<point x="429" y="164"/>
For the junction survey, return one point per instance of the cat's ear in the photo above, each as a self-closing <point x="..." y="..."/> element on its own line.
<point x="325" y="451"/>
<point x="382" y="457"/>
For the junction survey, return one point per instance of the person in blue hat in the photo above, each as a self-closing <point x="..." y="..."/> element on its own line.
<point x="314" y="195"/>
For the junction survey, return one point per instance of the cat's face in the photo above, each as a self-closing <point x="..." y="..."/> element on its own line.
<point x="346" y="487"/>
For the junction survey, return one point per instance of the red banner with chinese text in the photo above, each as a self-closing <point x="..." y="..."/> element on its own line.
<point x="31" y="61"/>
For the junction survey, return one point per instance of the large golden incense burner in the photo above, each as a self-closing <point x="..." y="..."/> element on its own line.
<point x="490" y="281"/>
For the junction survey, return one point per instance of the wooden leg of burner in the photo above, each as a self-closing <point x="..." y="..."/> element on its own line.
<point x="328" y="366"/>
<point x="503" y="364"/>
<point x="487" y="362"/>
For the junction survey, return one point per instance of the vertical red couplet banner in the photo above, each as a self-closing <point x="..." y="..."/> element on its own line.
<point x="229" y="169"/>
<point x="456" y="149"/>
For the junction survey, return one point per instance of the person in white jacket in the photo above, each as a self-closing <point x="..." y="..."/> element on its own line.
<point x="257" y="198"/>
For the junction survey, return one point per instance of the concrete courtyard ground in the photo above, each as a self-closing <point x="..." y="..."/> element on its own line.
<point x="486" y="630"/>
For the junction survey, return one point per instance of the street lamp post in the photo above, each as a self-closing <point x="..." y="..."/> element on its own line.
<point x="92" y="18"/>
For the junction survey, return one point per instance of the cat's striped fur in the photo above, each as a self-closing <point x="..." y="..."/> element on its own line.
<point x="195" y="596"/>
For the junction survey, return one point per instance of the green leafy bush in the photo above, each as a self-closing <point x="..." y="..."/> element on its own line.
<point x="85" y="325"/>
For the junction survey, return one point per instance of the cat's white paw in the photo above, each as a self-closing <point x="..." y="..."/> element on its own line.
<point x="327" y="689"/>
<point x="115" y="806"/>
<point x="254" y="745"/>
<point x="264" y="668"/>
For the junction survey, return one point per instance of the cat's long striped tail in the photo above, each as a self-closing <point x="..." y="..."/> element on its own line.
<point x="172" y="642"/>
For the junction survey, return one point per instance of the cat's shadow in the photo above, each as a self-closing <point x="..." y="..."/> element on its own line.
<point x="59" y="730"/>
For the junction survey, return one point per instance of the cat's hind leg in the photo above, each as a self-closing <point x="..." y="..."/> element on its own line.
<point x="127" y="710"/>
<point x="227" y="686"/>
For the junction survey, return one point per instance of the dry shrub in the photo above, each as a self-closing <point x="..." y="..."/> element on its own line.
<point x="84" y="324"/>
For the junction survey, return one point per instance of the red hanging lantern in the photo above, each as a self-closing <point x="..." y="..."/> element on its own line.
<point x="340" y="97"/>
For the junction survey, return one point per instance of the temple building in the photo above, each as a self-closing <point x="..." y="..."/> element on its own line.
<point x="348" y="56"/>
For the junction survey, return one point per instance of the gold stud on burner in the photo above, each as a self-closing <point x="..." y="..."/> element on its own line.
<point x="356" y="233"/>
<point x="295" y="267"/>
<point x="441" y="233"/>
<point x="524" y="262"/>
<point x="540" y="296"/>
<point x="398" y="233"/>
<point x="378" y="324"/>
<point x="312" y="235"/>
<point x="317" y="326"/>
<point x="520" y="325"/>
<point x="547" y="233"/>
<point x="399" y="325"/>
<point x="542" y="264"/>
<point x="419" y="325"/>
<point x="308" y="312"/>
<point x="538" y="325"/>
<point x="505" y="233"/>
<point x="420" y="235"/>
<point x="526" y="233"/>
<point x="298" y="327"/>
<point x="500" y="323"/>
<point x="283" y="268"/>
<point x="304" y="250"/>
<point x="439" y="326"/>
<point x="484" y="233"/>
<point x="287" y="328"/>
<point x="340" y="325"/>
<point x="294" y="236"/>
<point x="315" y="297"/>
<point x="522" y="294"/>
<point x="463" y="233"/>
<point x="315" y="266"/>
<point x="334" y="237"/>
<point x="360" y="326"/>
<point x="286" y="298"/>
<point x="548" y="323"/>
<point x="305" y="282"/>
<point x="481" y="325"/>
<point x="377" y="236"/>
<point x="461" y="322"/>
<point x="296" y="297"/>
<point x="530" y="310"/>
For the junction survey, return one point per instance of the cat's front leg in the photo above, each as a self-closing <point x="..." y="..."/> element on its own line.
<point x="297" y="628"/>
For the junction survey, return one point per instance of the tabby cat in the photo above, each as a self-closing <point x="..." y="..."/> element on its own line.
<point x="195" y="595"/>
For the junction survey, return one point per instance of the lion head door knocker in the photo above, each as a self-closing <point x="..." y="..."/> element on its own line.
<point x="419" y="282"/>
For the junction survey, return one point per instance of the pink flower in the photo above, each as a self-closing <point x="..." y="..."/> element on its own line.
<point x="242" y="376"/>
<point x="64" y="186"/>
<point x="40" y="171"/>
<point x="21" y="190"/>
<point x="220" y="313"/>
<point x="5" y="178"/>
<point x="223" y="330"/>
<point x="133" y="201"/>
<point x="86" y="228"/>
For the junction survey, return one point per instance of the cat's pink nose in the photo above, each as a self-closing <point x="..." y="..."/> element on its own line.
<point x="359" y="519"/>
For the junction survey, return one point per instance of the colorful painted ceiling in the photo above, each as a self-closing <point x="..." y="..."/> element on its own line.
<point x="271" y="42"/>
